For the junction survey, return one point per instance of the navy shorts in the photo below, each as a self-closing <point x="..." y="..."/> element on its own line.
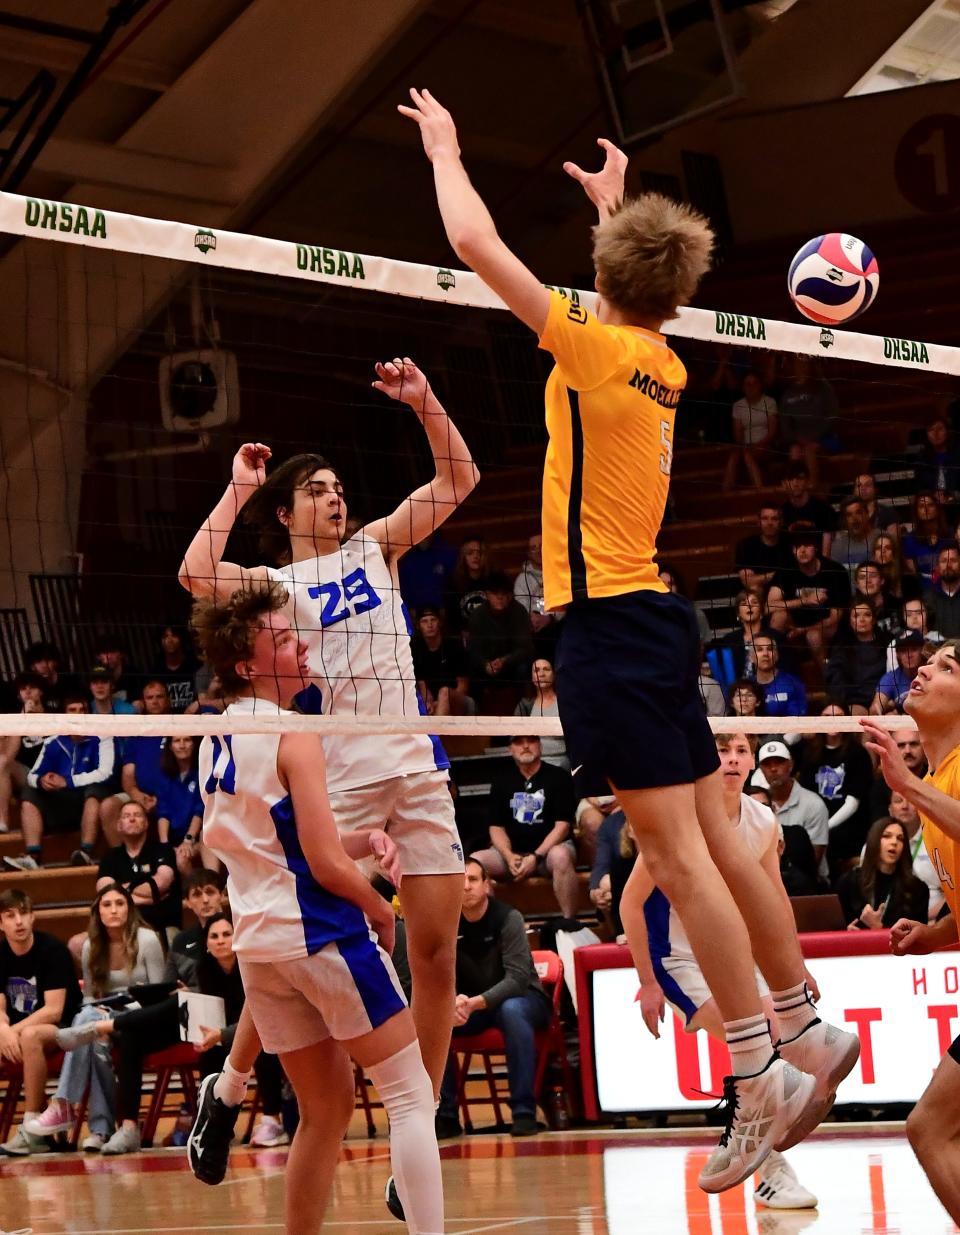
<point x="628" y="671"/>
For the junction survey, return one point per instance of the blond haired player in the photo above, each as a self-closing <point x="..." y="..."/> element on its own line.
<point x="934" y="703"/>
<point x="629" y="658"/>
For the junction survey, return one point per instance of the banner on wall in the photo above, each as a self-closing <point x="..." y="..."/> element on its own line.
<point x="906" y="1012"/>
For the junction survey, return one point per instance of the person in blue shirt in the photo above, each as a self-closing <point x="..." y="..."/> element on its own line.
<point x="179" y="805"/>
<point x="65" y="789"/>
<point x="140" y="778"/>
<point x="783" y="694"/>
<point x="894" y="686"/>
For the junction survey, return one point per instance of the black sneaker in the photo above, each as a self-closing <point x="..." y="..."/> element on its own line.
<point x="208" y="1145"/>
<point x="524" y="1125"/>
<point x="446" y="1126"/>
<point x="392" y="1198"/>
<point x="80" y="857"/>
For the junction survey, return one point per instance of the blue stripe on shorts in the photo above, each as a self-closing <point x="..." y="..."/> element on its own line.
<point x="377" y="993"/>
<point x="673" y="993"/>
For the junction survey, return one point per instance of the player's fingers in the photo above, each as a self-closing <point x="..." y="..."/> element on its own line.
<point x="410" y="112"/>
<point x="576" y="172"/>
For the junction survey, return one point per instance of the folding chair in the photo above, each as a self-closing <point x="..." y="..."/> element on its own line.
<point x="179" y="1060"/>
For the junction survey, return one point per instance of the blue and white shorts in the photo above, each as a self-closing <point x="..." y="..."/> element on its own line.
<point x="685" y="988"/>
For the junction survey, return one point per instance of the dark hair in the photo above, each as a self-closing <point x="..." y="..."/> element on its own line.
<point x="74" y="696"/>
<point x="15" y="898"/>
<point x="109" y="643"/>
<point x="867" y="872"/>
<point x="179" y="632"/>
<point x="276" y="493"/>
<point x="497" y="581"/>
<point x="154" y="682"/>
<point x="480" y="866"/>
<point x="796" y="469"/>
<point x="751" y="688"/>
<point x="461" y="579"/>
<point x="209" y="970"/>
<point x="227" y="632"/>
<point x="941" y="521"/>
<point x="201" y="877"/>
<point x="168" y="760"/>
<point x="29" y="678"/>
<point x="41" y="650"/>
<point x="804" y="533"/>
<point x="853" y="500"/>
<point x="816" y="743"/>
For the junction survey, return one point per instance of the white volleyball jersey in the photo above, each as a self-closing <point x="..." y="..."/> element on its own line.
<point x="667" y="937"/>
<point x="347" y="609"/>
<point x="280" y="912"/>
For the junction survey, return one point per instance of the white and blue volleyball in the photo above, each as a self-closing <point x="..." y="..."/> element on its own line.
<point x="833" y="279"/>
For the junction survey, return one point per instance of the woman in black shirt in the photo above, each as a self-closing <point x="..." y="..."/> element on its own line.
<point x="883" y="888"/>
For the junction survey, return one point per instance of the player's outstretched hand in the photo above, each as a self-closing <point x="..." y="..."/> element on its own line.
<point x="437" y="130"/>
<point x="401" y="379"/>
<point x="653" y="1006"/>
<point x="909" y="938"/>
<point x="387" y="855"/>
<point x="880" y="742"/>
<point x="605" y="187"/>
<point x="250" y="464"/>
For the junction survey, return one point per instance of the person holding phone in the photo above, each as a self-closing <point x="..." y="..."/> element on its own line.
<point x="883" y="888"/>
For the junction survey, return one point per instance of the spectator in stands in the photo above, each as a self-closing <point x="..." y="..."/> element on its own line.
<point x="793" y="805"/>
<point x="883" y="888"/>
<point x="542" y="701"/>
<point x="532" y="808"/>
<point x="711" y="692"/>
<point x="783" y="694"/>
<point x="140" y="778"/>
<point x="938" y="468"/>
<point x="425" y="572"/>
<point x="758" y="558"/>
<point x="836" y="767"/>
<point x="855" y="541"/>
<point x="441" y="667"/>
<point x="65" y="790"/>
<point x="893" y="687"/>
<point x="802" y="507"/>
<point x="880" y="515"/>
<point x="19" y="754"/>
<point x="103" y="700"/>
<point x="38" y="987"/>
<point x="922" y="545"/>
<point x="901" y="582"/>
<point x="615" y="858"/>
<point x="209" y="700"/>
<point x="528" y="591"/>
<point x="179" y="805"/>
<point x="732" y="656"/>
<point x="146" y="868"/>
<point x="906" y="813"/>
<point x="912" y="753"/>
<point x="497" y="987"/>
<point x="914" y="617"/>
<point x="501" y="641"/>
<point x="673" y="581"/>
<point x="805" y="602"/>
<point x="119" y="952"/>
<point x="218" y="974"/>
<point x="943" y="598"/>
<point x="755" y="422"/>
<point x="808" y="413"/>
<point x="43" y="659"/>
<point x="110" y="651"/>
<point x="746" y="699"/>
<point x="468" y="584"/>
<point x="591" y="814"/>
<point x="857" y="662"/>
<point x="176" y="666"/>
<point x="869" y="589"/>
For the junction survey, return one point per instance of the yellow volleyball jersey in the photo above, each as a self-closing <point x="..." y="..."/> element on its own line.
<point x="944" y="851"/>
<point x="610" y="401"/>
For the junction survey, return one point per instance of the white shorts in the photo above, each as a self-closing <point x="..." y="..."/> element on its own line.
<point x="344" y="990"/>
<point x="415" y="811"/>
<point x="685" y="988"/>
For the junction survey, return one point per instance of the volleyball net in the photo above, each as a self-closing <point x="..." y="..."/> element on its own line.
<point x="139" y="353"/>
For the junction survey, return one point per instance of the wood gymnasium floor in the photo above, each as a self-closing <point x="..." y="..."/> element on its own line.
<point x="574" y="1183"/>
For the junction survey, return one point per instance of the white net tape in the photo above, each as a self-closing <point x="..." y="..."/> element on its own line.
<point x="58" y="724"/>
<point x="67" y="223"/>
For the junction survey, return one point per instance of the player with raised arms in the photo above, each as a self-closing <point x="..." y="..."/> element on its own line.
<point x="668" y="970"/>
<point x="320" y="987"/>
<point x="933" y="1125"/>
<point x="345" y="604"/>
<point x="628" y="662"/>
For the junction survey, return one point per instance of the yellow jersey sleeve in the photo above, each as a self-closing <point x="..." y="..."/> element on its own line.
<point x="944" y="851"/>
<point x="587" y="352"/>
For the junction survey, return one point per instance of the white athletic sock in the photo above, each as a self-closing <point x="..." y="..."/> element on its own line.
<point x="795" y="1010"/>
<point x="749" y="1043"/>
<point x="407" y="1095"/>
<point x="231" y="1086"/>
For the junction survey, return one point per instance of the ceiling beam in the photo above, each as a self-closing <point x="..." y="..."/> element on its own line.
<point x="59" y="57"/>
<point x="111" y="166"/>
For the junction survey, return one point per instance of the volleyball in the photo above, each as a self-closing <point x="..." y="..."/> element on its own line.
<point x="833" y="278"/>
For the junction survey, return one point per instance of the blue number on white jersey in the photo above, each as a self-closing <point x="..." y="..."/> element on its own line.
<point x="356" y="596"/>
<point x="223" y="769"/>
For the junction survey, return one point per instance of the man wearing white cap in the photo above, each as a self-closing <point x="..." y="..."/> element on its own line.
<point x="793" y="805"/>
